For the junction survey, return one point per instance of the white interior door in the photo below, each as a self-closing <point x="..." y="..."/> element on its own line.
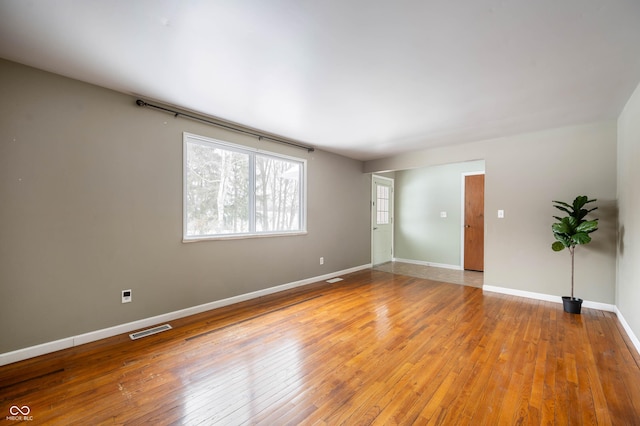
<point x="381" y="220"/>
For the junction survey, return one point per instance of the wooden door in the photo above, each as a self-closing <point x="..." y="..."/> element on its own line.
<point x="474" y="222"/>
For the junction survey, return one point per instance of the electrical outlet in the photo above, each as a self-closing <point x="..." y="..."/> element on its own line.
<point x="322" y="260"/>
<point x="126" y="296"/>
<point x="500" y="214"/>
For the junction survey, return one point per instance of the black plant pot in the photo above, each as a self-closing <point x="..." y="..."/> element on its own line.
<point x="571" y="305"/>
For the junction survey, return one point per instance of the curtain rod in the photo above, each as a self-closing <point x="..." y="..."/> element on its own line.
<point x="142" y="103"/>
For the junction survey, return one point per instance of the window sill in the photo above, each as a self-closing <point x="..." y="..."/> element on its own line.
<point x="187" y="240"/>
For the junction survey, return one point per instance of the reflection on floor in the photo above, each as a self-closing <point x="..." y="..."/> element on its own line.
<point x="469" y="278"/>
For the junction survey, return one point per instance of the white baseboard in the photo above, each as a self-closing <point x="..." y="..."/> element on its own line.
<point x="627" y="328"/>
<point x="423" y="263"/>
<point x="546" y="297"/>
<point x="522" y="293"/>
<point x="68" y="342"/>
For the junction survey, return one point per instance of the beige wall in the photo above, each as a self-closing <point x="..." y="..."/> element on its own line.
<point x="524" y="173"/>
<point x="628" y="288"/>
<point x="91" y="204"/>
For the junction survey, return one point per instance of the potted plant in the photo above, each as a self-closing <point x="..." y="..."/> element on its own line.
<point x="569" y="232"/>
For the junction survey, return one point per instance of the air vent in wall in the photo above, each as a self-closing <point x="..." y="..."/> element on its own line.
<point x="149" y="331"/>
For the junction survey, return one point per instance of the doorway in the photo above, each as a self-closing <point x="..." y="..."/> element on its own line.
<point x="473" y="222"/>
<point x="381" y="219"/>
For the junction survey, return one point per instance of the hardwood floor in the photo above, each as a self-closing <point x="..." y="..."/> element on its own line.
<point x="376" y="348"/>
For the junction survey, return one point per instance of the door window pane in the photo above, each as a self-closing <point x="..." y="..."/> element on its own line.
<point x="382" y="205"/>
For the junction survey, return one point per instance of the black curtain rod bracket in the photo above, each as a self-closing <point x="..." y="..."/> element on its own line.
<point x="260" y="137"/>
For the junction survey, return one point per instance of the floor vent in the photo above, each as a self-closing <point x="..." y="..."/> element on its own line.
<point x="149" y="331"/>
<point x="334" y="280"/>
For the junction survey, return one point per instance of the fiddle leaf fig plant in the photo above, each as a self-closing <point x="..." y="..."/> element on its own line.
<point x="573" y="229"/>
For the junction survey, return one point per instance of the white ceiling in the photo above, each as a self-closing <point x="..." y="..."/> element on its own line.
<point x="363" y="78"/>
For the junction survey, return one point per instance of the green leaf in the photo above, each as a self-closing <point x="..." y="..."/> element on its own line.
<point x="588" y="226"/>
<point x="562" y="203"/>
<point x="581" y="238"/>
<point x="571" y="223"/>
<point x="564" y="239"/>
<point x="557" y="246"/>
<point x="567" y="211"/>
<point x="579" y="202"/>
<point x="581" y="214"/>
<point x="561" y="227"/>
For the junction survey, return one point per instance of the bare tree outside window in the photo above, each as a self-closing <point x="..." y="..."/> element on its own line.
<point x="277" y="194"/>
<point x="217" y="191"/>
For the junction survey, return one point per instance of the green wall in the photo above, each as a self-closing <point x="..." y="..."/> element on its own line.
<point x="421" y="234"/>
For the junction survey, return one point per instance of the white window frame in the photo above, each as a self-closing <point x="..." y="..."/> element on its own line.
<point x="193" y="138"/>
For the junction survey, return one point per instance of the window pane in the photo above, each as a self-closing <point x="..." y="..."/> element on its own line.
<point x="277" y="194"/>
<point x="382" y="205"/>
<point x="217" y="186"/>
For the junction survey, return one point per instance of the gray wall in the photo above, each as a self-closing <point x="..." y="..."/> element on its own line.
<point x="524" y="173"/>
<point x="91" y="204"/>
<point x="628" y="288"/>
<point x="420" y="195"/>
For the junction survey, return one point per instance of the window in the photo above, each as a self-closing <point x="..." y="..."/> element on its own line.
<point x="234" y="191"/>
<point x="382" y="205"/>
